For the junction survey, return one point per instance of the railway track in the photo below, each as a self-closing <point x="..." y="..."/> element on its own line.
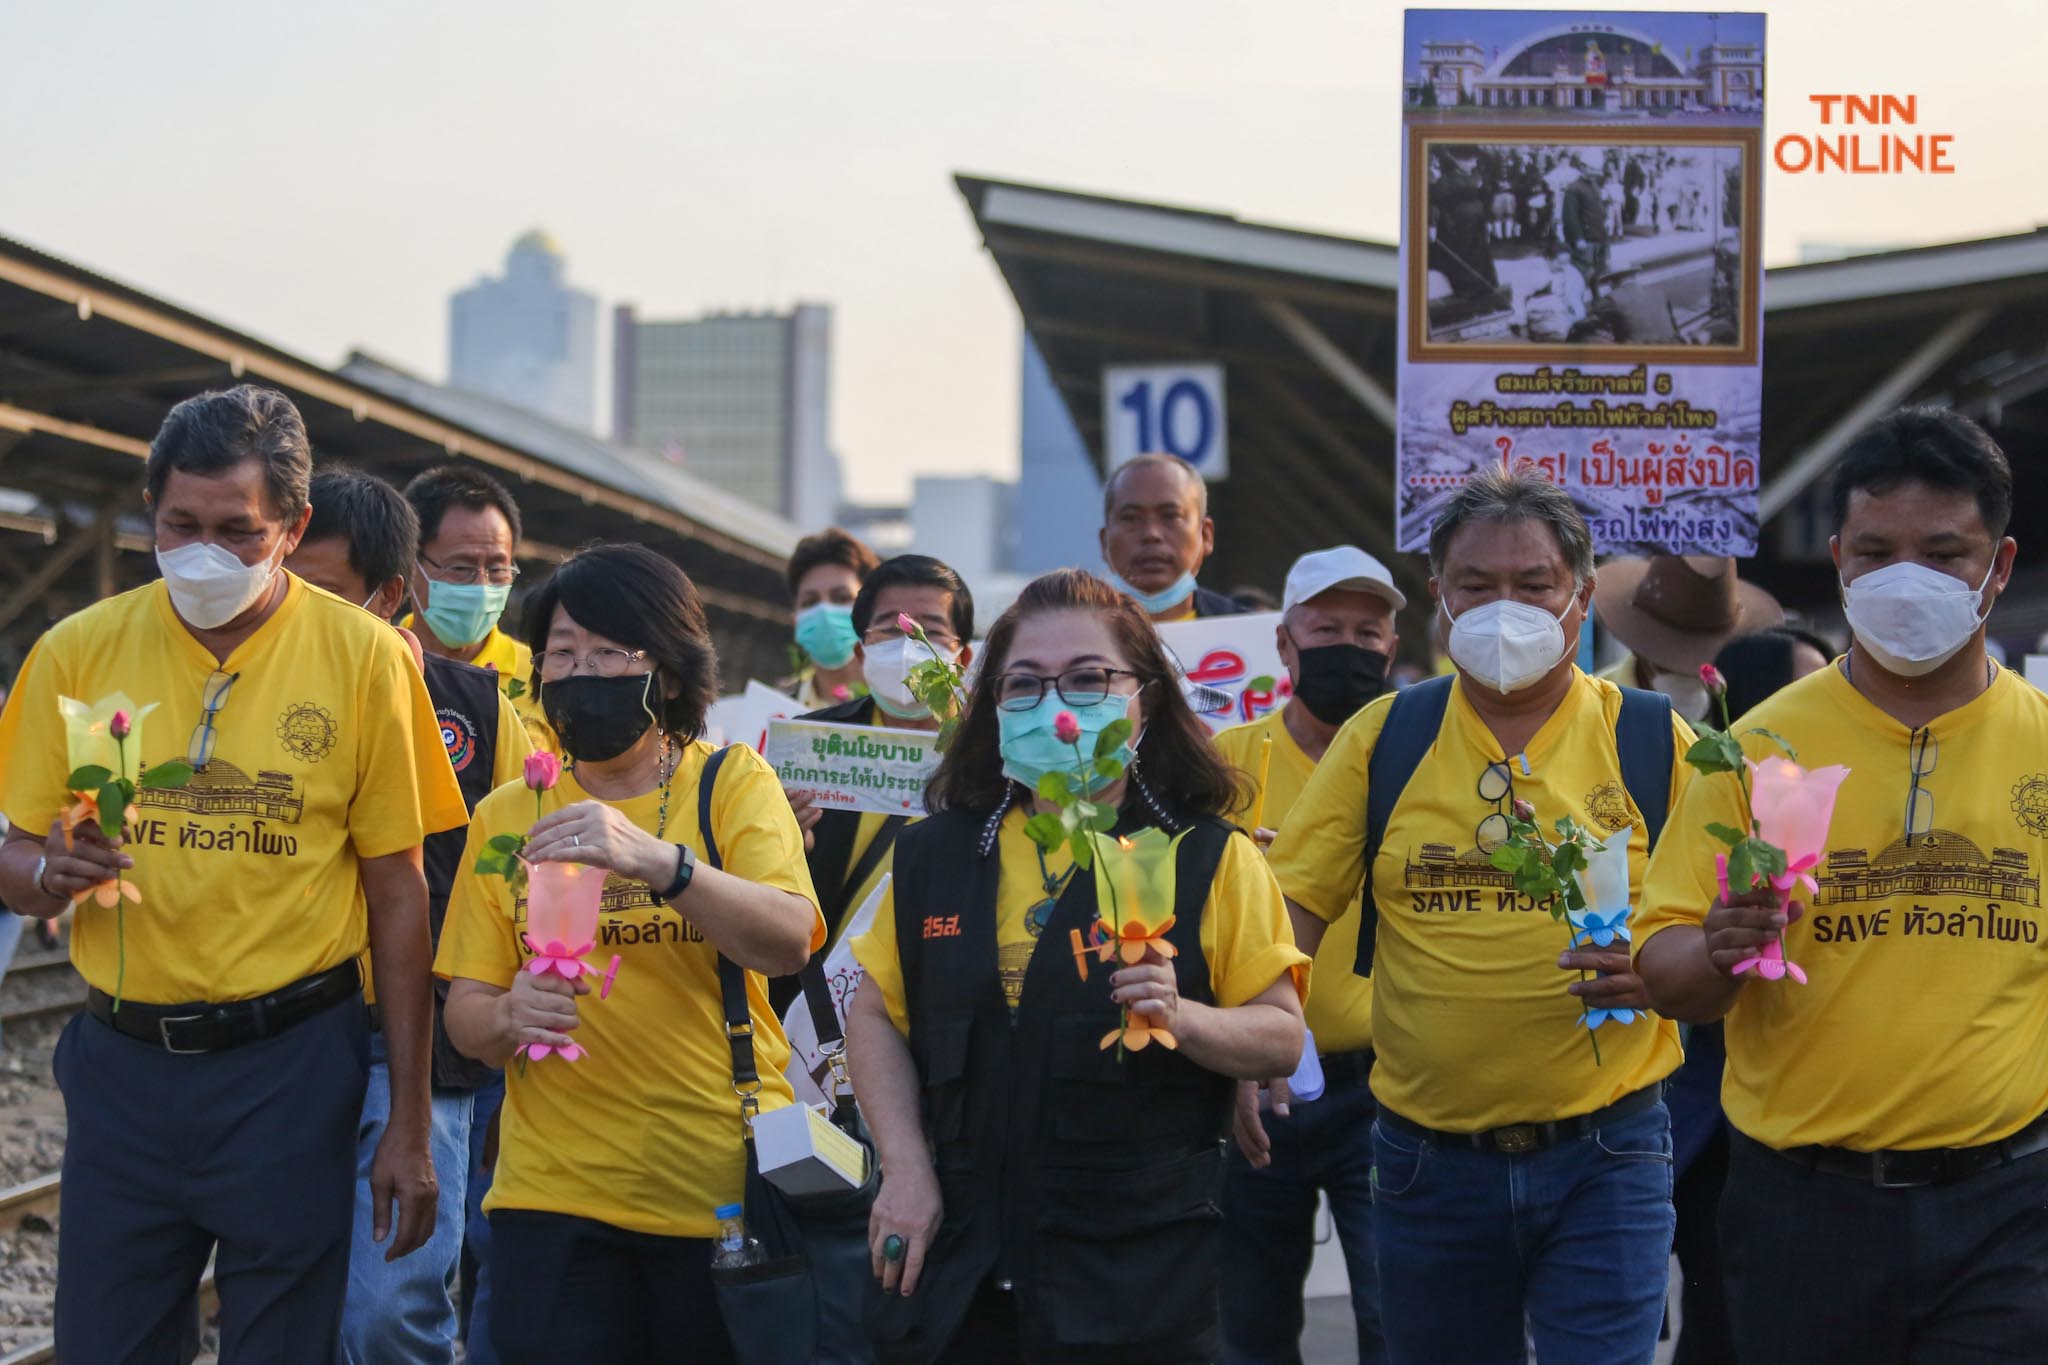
<point x="41" y="986"/>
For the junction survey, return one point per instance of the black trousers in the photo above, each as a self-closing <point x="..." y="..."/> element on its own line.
<point x="1823" y="1268"/>
<point x="248" y="1154"/>
<point x="566" y="1290"/>
<point x="994" y="1333"/>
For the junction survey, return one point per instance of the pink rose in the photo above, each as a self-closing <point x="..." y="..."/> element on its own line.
<point x="842" y="692"/>
<point x="543" y="770"/>
<point x="1525" y="812"/>
<point x="1066" y="727"/>
<point x="120" y="725"/>
<point x="1711" y="676"/>
<point x="905" y="624"/>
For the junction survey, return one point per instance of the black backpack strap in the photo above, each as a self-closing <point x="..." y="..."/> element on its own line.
<point x="1643" y="739"/>
<point x="732" y="978"/>
<point x="1414" y="718"/>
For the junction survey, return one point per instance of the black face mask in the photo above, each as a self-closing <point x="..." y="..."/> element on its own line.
<point x="599" y="718"/>
<point x="1333" y="681"/>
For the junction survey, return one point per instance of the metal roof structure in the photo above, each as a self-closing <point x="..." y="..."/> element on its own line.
<point x="1304" y="325"/>
<point x="89" y="366"/>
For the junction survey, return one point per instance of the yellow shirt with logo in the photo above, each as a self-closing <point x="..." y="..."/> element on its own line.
<point x="1471" y="1027"/>
<point x="1922" y="1020"/>
<point x="1244" y="935"/>
<point x="328" y="752"/>
<point x="642" y="1132"/>
<point x="1339" y="1009"/>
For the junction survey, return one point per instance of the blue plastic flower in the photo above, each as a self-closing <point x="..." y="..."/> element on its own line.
<point x="1594" y="1018"/>
<point x="1601" y="929"/>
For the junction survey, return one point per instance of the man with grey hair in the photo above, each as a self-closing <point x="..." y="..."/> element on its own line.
<point x="1156" y="532"/>
<point x="289" y="770"/>
<point x="1519" y="1175"/>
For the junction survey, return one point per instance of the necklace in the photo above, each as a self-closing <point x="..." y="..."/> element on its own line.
<point x="665" y="774"/>
<point x="1040" y="915"/>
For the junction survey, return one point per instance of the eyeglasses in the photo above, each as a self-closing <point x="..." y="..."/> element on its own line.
<point x="1496" y="786"/>
<point x="1919" y="800"/>
<point x="498" y="575"/>
<point x="1076" y="687"/>
<point x="557" y="664"/>
<point x="199" y="749"/>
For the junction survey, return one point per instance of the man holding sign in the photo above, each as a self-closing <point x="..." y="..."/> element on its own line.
<point x="1336" y="638"/>
<point x="848" y="850"/>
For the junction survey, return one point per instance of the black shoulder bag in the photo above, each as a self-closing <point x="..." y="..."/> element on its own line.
<point x="803" y="1303"/>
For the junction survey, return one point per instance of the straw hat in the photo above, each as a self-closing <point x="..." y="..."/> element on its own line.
<point x="1674" y="612"/>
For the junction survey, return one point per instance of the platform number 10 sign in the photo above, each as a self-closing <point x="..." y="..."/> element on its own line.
<point x="1175" y="409"/>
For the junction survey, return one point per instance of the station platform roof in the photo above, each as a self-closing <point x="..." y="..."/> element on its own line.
<point x="1304" y="325"/>
<point x="90" y="365"/>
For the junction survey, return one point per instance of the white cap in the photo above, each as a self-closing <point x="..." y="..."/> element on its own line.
<point x="1343" y="566"/>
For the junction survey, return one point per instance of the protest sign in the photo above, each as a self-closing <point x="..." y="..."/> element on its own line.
<point x="1233" y="663"/>
<point x="853" y="767"/>
<point x="743" y="719"/>
<point x="809" y="1069"/>
<point x="1581" y="268"/>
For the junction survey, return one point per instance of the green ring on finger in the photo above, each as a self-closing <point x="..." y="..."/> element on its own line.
<point x="892" y="1248"/>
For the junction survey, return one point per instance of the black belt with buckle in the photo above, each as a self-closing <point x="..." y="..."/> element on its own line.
<point x="1516" y="1138"/>
<point x="1905" y="1170"/>
<point x="1346" y="1068"/>
<point x="201" y="1027"/>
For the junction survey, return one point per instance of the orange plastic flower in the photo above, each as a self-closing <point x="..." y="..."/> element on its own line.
<point x="1129" y="940"/>
<point x="86" y="811"/>
<point x="1137" y="1034"/>
<point x="108" y="894"/>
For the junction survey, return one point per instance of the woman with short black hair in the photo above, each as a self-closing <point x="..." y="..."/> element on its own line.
<point x="614" y="1154"/>
<point x="1045" y="1197"/>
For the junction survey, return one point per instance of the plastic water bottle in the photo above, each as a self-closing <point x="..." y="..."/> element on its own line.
<point x="734" y="1248"/>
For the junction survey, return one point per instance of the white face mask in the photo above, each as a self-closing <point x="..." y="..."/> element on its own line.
<point x="1912" y="619"/>
<point x="1688" y="694"/>
<point x="886" y="667"/>
<point x="210" y="586"/>
<point x="1507" y="645"/>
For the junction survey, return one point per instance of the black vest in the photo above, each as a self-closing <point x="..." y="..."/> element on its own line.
<point x="1061" y="1167"/>
<point x="466" y="705"/>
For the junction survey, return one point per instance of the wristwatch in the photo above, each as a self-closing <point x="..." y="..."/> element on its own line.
<point x="686" y="868"/>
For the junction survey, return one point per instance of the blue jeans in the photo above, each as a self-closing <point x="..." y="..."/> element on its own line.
<point x="478" y="1343"/>
<point x="1269" y="1227"/>
<point x="1573" y="1240"/>
<point x="403" y="1312"/>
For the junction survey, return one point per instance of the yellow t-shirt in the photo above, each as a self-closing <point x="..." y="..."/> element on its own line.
<point x="1471" y="1025"/>
<point x="1244" y="935"/>
<point x="643" y="1131"/>
<point x="1339" y="1009"/>
<point x="327" y="752"/>
<point x="508" y="765"/>
<point x="1921" y="1022"/>
<point x="863" y="838"/>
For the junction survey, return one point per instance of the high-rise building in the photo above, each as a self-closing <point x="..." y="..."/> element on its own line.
<point x="740" y="400"/>
<point x="1059" y="497"/>
<point x="969" y="521"/>
<point x="528" y="338"/>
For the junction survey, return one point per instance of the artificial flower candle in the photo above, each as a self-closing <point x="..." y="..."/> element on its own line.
<point x="1604" y="880"/>
<point x="89" y="730"/>
<point x="1134" y="890"/>
<point x="1793" y="806"/>
<point x="561" y="904"/>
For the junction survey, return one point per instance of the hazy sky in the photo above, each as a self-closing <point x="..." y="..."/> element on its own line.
<point x="324" y="175"/>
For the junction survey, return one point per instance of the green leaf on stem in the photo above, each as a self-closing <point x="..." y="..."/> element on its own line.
<point x="1774" y="737"/>
<point x="114" y="798"/>
<point x="1727" y="834"/>
<point x="1045" y="830"/>
<point x="1112" y="737"/>
<point x="1111" y="768"/>
<point x="515" y="688"/>
<point x="1056" y="787"/>
<point x="1103" y="820"/>
<point x="1262" y="683"/>
<point x="1083" y="848"/>
<point x="508" y="843"/>
<point x="90" y="778"/>
<point x="1508" y="858"/>
<point x="1715" y="752"/>
<point x="164" y="776"/>
<point x="948" y="730"/>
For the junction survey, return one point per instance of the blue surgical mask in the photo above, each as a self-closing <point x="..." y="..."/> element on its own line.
<point x="1156" y="603"/>
<point x="1030" y="749"/>
<point x="462" y="614"/>
<point x="826" y="633"/>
